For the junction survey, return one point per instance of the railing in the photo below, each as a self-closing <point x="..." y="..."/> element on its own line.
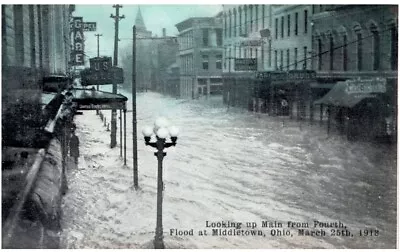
<point x="14" y="215"/>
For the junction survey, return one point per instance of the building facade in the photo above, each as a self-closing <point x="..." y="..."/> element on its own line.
<point x="35" y="44"/>
<point x="144" y="48"/>
<point x="200" y="56"/>
<point x="359" y="42"/>
<point x="292" y="32"/>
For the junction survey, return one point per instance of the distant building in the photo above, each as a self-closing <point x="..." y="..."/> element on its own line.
<point x="167" y="51"/>
<point x="143" y="52"/>
<point x="172" y="83"/>
<point x="200" y="56"/>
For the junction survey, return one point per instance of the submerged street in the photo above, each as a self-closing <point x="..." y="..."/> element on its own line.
<point x="228" y="165"/>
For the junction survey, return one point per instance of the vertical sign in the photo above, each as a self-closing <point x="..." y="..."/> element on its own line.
<point x="79" y="44"/>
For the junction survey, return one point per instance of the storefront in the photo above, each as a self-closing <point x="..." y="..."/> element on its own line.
<point x="361" y="108"/>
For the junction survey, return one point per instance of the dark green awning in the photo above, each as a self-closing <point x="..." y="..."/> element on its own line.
<point x="338" y="96"/>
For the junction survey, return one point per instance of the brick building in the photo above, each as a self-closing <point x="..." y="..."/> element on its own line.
<point x="353" y="42"/>
<point x="200" y="56"/>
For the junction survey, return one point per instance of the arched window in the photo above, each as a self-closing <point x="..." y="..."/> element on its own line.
<point x="256" y="17"/>
<point x="319" y="45"/>
<point x="240" y="20"/>
<point x="234" y="23"/>
<point x="393" y="46"/>
<point x="251" y="17"/>
<point x="225" y="26"/>
<point x="376" y="50"/>
<point x="245" y="19"/>
<point x="359" y="39"/>
<point x="230" y="24"/>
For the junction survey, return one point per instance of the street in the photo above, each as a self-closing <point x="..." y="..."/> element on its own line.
<point x="228" y="166"/>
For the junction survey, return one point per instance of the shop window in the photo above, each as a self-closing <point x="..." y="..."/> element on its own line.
<point x="205" y="62"/>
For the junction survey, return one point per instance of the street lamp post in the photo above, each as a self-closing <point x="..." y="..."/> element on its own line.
<point x="162" y="133"/>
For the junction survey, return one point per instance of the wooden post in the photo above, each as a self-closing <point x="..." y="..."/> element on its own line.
<point x="125" y="137"/>
<point x="120" y="132"/>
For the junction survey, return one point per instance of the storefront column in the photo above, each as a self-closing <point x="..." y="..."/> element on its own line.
<point x="208" y="88"/>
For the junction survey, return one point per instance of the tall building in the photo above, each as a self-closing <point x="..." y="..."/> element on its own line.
<point x="358" y="45"/>
<point x="35" y="44"/>
<point x="248" y="48"/>
<point x="292" y="37"/>
<point x="200" y="56"/>
<point x="143" y="50"/>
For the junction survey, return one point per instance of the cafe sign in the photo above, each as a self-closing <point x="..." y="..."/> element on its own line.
<point x="366" y="86"/>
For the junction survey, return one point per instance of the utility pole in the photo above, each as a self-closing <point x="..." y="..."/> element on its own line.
<point x="98" y="55"/>
<point x="116" y="18"/>
<point x="134" y="122"/>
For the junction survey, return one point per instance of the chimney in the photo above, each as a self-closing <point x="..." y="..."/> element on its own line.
<point x="164" y="32"/>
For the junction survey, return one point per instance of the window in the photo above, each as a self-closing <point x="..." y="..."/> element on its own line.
<point x="251" y="52"/>
<point x="240" y="20"/>
<point x="245" y="52"/>
<point x="219" y="37"/>
<point x="305" y="58"/>
<point x="230" y="24"/>
<point x="218" y="62"/>
<point x="359" y="52"/>
<point x="225" y="25"/>
<point x="287" y="58"/>
<point x="319" y="54"/>
<point x="205" y="62"/>
<point x="276" y="28"/>
<point x="230" y="59"/>
<point x="234" y="22"/>
<point x="245" y="19"/>
<point x="281" y="65"/>
<point x="305" y="21"/>
<point x="295" y="58"/>
<point x="331" y="53"/>
<point x="263" y="16"/>
<point x="205" y="37"/>
<point x="19" y="34"/>
<point x="282" y="26"/>
<point x="393" y="47"/>
<point x="240" y="52"/>
<point x="256" y="17"/>
<point x="276" y="59"/>
<point x="269" y="54"/>
<point x="251" y="17"/>
<point x="344" y="52"/>
<point x="296" y="23"/>
<point x="376" y="48"/>
<point x="288" y="25"/>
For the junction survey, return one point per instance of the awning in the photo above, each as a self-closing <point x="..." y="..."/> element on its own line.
<point x="338" y="96"/>
<point x="91" y="99"/>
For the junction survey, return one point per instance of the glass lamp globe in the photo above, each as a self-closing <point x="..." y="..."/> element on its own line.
<point x="160" y="123"/>
<point x="173" y="131"/>
<point x="147" y="131"/>
<point x="162" y="133"/>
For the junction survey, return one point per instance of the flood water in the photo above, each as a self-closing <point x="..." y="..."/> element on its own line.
<point x="228" y="165"/>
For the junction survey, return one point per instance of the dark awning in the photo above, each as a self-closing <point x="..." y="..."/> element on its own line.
<point x="89" y="99"/>
<point x="338" y="96"/>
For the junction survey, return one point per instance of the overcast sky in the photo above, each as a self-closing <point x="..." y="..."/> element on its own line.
<point x="155" y="18"/>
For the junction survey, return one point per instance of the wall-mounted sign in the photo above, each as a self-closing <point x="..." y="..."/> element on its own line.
<point x="104" y="106"/>
<point x="100" y="63"/>
<point x="362" y="86"/>
<point x="89" y="26"/>
<point x="292" y="75"/>
<point x="248" y="64"/>
<point x="93" y="77"/>
<point x="78" y="42"/>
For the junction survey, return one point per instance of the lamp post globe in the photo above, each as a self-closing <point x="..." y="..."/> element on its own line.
<point x="161" y="122"/>
<point x="147" y="131"/>
<point x="162" y="133"/>
<point x="173" y="131"/>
